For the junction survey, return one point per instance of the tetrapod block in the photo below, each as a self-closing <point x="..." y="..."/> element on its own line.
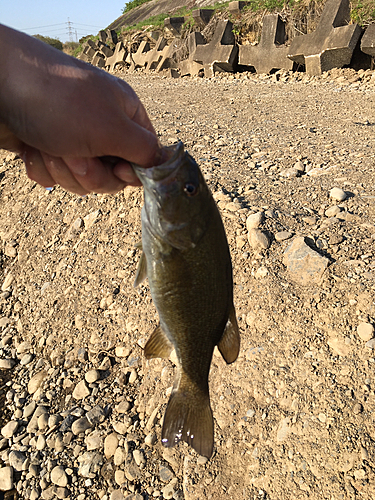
<point x="236" y="7"/>
<point x="112" y="36"/>
<point x="98" y="60"/>
<point x="154" y="56"/>
<point x="118" y="57"/>
<point x="368" y="41"/>
<point x="103" y="36"/>
<point x="221" y="53"/>
<point x="189" y="66"/>
<point x="174" y="24"/>
<point x="271" y="53"/>
<point x="167" y="61"/>
<point x="333" y="42"/>
<point x="138" y="59"/>
<point x="202" y="17"/>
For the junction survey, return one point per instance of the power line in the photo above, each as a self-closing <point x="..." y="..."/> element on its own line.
<point x="38" y="27"/>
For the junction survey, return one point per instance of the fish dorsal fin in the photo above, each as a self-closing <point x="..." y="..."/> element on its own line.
<point x="158" y="345"/>
<point x="141" y="274"/>
<point x="229" y="345"/>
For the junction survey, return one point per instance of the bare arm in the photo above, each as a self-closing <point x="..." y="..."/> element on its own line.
<point x="62" y="115"/>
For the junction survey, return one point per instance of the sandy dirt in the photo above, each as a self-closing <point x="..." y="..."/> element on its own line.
<point x="294" y="415"/>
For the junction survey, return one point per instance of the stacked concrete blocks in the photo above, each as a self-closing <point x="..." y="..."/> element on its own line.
<point x="201" y="17"/>
<point x="368" y="41"/>
<point x="221" y="53"/>
<point x="174" y="24"/>
<point x="271" y="53"/>
<point x="138" y="59"/>
<point x="117" y="58"/>
<point x="189" y="66"/>
<point x="333" y="42"/>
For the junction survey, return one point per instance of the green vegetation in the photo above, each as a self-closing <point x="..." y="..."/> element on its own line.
<point x="54" y="42"/>
<point x="363" y="11"/>
<point x="131" y="5"/>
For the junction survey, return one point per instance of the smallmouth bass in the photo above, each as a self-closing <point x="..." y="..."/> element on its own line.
<point x="187" y="262"/>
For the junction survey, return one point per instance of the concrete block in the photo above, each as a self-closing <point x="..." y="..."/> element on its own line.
<point x="154" y="56"/>
<point x="174" y="24"/>
<point x="202" y="17"/>
<point x="333" y="42"/>
<point x="103" y="36"/>
<point x="189" y="66"/>
<point x="98" y="60"/>
<point x="106" y="51"/>
<point x="92" y="43"/>
<point x="166" y="61"/>
<point x="221" y="53"/>
<point x="138" y="59"/>
<point x="368" y="41"/>
<point x="271" y="53"/>
<point x="111" y="36"/>
<point x="119" y="57"/>
<point x="236" y="7"/>
<point x="89" y="51"/>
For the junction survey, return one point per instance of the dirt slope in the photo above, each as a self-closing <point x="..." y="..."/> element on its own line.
<point x="294" y="416"/>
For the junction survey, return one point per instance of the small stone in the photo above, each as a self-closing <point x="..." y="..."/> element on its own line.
<point x="168" y="491"/>
<point x="10" y="429"/>
<point x="123" y="407"/>
<point x="258" y="240"/>
<point x="90" y="219"/>
<point x="332" y="211"/>
<point x="81" y="391"/>
<point x="119" y="456"/>
<point x="94" y="442"/>
<point x="6" y="478"/>
<point x="370" y="344"/>
<point x="283" y="235"/>
<point x="92" y="376"/>
<point x="29" y="409"/>
<point x="165" y="473"/>
<point x="110" y="445"/>
<point x="133" y="376"/>
<point x="359" y="474"/>
<point x="18" y="460"/>
<point x="116" y="495"/>
<point x="303" y="263"/>
<point x="132" y="472"/>
<point x="339" y="346"/>
<point x="7" y="282"/>
<point x="290" y="173"/>
<point x="80" y="425"/>
<point x="96" y="415"/>
<point x="337" y="194"/>
<point x="120" y="477"/>
<point x="365" y="331"/>
<point x="7" y="364"/>
<point x="139" y="457"/>
<point x="357" y="408"/>
<point x="336" y="239"/>
<point x="120" y="427"/>
<point x="26" y="359"/>
<point x="283" y="430"/>
<point x="150" y="439"/>
<point x="254" y="221"/>
<point x="41" y="442"/>
<point x="54" y="420"/>
<point x="59" y="476"/>
<point x="43" y="421"/>
<point x="122" y="351"/>
<point x="299" y="166"/>
<point x="36" y="381"/>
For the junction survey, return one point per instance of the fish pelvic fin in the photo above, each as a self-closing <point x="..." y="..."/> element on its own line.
<point x="158" y="345"/>
<point x="141" y="274"/>
<point x="229" y="345"/>
<point x="188" y="418"/>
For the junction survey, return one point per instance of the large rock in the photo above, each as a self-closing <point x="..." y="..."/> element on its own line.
<point x="305" y="265"/>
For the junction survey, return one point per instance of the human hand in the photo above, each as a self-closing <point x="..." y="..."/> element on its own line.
<point x="65" y="118"/>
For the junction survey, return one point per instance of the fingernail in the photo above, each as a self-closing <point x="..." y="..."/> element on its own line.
<point x="78" y="166"/>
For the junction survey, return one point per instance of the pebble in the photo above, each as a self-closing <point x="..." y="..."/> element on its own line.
<point x="139" y="457"/>
<point x="116" y="495"/>
<point x="81" y="425"/>
<point x="168" y="491"/>
<point x="254" y="221"/>
<point x="337" y="194"/>
<point x="110" y="445"/>
<point x="133" y="376"/>
<point x="332" y="211"/>
<point x="150" y="439"/>
<point x="18" y="460"/>
<point x="92" y="376"/>
<point x="365" y="331"/>
<point x="41" y="442"/>
<point x="165" y="473"/>
<point x="59" y="476"/>
<point x="10" y="429"/>
<point x="357" y="408"/>
<point x="120" y="477"/>
<point x="7" y="282"/>
<point x="96" y="415"/>
<point x="303" y="263"/>
<point x="7" y="364"/>
<point x="36" y="381"/>
<point x="90" y="219"/>
<point x="6" y="478"/>
<point x="283" y="235"/>
<point x="81" y="391"/>
<point x="258" y="240"/>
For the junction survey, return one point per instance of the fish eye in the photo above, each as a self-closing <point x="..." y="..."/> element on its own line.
<point x="190" y="189"/>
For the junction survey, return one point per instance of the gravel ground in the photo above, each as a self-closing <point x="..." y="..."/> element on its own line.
<point x="294" y="415"/>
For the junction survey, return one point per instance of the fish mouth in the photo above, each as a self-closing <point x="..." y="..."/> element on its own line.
<point x="161" y="172"/>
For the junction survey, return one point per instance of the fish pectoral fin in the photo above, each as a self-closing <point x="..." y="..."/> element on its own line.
<point x="158" y="345"/>
<point x="188" y="418"/>
<point x="229" y="345"/>
<point x="139" y="244"/>
<point x="141" y="274"/>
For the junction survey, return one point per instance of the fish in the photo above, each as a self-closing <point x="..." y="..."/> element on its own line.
<point x="186" y="258"/>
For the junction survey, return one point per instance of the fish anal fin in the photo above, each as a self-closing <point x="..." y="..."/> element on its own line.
<point x="158" y="345"/>
<point x="141" y="274"/>
<point x="229" y="345"/>
<point x="188" y="418"/>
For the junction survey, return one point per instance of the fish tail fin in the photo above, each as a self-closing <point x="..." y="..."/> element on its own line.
<point x="188" y="417"/>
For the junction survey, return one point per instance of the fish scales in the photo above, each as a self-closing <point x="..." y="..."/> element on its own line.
<point x="187" y="262"/>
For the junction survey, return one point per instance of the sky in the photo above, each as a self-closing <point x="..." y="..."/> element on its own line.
<point x="52" y="18"/>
